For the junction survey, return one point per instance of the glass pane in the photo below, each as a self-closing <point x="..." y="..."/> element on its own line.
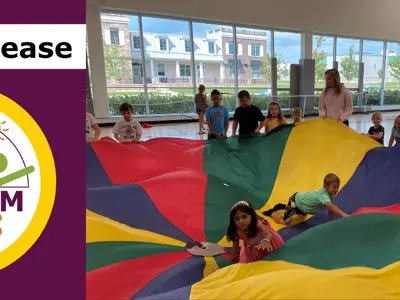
<point x="254" y="64"/>
<point x="214" y="63"/>
<point x="168" y="66"/>
<point x="348" y="56"/>
<point x="323" y="56"/>
<point x="123" y="65"/>
<point x="392" y="75"/>
<point x="287" y="52"/>
<point x="372" y="59"/>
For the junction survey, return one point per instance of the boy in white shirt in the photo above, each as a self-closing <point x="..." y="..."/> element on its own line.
<point x="91" y="125"/>
<point x="127" y="130"/>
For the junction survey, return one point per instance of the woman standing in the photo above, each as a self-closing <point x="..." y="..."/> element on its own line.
<point x="335" y="102"/>
<point x="201" y="104"/>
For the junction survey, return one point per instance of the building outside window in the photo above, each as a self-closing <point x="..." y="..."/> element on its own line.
<point x="187" y="46"/>
<point x="114" y="36"/>
<point x="161" y="70"/>
<point x="185" y="70"/>
<point x="136" y="42"/>
<point x="163" y="44"/>
<point x="255" y="50"/>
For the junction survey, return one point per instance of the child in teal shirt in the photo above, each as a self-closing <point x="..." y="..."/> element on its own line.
<point x="217" y="117"/>
<point x="310" y="203"/>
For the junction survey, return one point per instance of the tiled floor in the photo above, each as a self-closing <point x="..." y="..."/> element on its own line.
<point x="360" y="123"/>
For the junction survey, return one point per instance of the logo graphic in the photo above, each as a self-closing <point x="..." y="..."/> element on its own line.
<point x="204" y="248"/>
<point x="27" y="181"/>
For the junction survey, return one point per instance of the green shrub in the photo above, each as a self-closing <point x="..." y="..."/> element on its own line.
<point x="183" y="104"/>
<point x="177" y="104"/>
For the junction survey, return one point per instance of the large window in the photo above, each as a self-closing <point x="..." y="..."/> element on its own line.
<point x="254" y="64"/>
<point x="392" y="74"/>
<point x="123" y="62"/>
<point x="215" y="67"/>
<point x="164" y="79"/>
<point x="348" y="56"/>
<point x="168" y="65"/>
<point x="323" y="56"/>
<point x="372" y="57"/>
<point x="287" y="51"/>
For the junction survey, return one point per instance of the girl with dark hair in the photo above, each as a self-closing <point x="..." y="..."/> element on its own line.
<point x="259" y="239"/>
<point x="201" y="104"/>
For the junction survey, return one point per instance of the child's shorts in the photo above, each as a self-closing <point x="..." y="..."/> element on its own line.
<point x="291" y="208"/>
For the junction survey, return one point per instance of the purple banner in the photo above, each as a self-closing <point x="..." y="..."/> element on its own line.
<point x="54" y="267"/>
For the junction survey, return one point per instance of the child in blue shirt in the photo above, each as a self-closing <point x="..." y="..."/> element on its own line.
<point x="217" y="117"/>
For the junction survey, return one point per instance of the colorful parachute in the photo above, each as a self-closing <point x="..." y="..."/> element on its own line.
<point x="157" y="214"/>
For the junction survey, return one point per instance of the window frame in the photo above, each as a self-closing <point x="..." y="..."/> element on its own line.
<point x="213" y="46"/>
<point x="158" y="70"/>
<point x="133" y="42"/>
<point x="188" y="46"/>
<point x="185" y="68"/>
<point x="166" y="44"/>
<point x="113" y="30"/>
<point x="254" y="47"/>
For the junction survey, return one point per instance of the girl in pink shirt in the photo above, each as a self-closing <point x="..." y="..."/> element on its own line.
<point x="335" y="102"/>
<point x="259" y="239"/>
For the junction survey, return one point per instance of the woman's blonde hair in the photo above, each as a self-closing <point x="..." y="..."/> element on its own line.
<point x="335" y="75"/>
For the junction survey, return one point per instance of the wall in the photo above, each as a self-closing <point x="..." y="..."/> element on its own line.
<point x="359" y="18"/>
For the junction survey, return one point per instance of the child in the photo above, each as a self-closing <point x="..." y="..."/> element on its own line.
<point x="296" y="114"/>
<point x="274" y="117"/>
<point x="200" y="101"/>
<point x="335" y="102"/>
<point x="377" y="132"/>
<point x="249" y="117"/>
<point x="91" y="125"/>
<point x="217" y="117"/>
<point x="303" y="203"/>
<point x="127" y="130"/>
<point x="395" y="136"/>
<point x="259" y="239"/>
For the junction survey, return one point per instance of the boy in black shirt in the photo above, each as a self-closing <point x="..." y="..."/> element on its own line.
<point x="249" y="117"/>
<point x="377" y="132"/>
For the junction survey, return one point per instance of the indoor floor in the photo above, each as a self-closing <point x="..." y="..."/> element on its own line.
<point x="360" y="123"/>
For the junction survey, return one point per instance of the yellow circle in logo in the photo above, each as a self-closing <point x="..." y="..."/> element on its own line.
<point x="47" y="181"/>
